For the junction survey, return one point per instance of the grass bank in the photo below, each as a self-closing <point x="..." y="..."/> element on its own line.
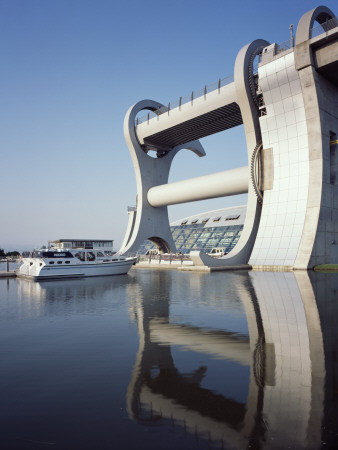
<point x="326" y="268"/>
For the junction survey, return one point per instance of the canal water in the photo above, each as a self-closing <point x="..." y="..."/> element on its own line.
<point x="170" y="360"/>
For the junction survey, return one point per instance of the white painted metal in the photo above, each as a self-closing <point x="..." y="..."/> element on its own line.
<point x="221" y="184"/>
<point x="199" y="106"/>
<point x="40" y="268"/>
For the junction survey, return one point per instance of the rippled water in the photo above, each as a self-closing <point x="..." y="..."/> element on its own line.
<point x="171" y="360"/>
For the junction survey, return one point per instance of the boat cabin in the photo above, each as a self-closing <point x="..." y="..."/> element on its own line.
<point x="88" y="250"/>
<point x="86" y="244"/>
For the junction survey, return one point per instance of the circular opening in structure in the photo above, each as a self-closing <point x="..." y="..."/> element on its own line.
<point x="255" y="63"/>
<point x="212" y="225"/>
<point x="322" y="24"/>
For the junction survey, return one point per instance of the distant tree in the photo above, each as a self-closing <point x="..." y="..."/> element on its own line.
<point x="2" y="253"/>
<point x="11" y="254"/>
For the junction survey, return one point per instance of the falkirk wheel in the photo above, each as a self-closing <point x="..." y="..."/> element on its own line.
<point x="289" y="110"/>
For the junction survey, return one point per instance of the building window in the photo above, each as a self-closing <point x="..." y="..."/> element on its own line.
<point x="233" y="217"/>
<point x="217" y="219"/>
<point x="51" y="262"/>
<point x="59" y="262"/>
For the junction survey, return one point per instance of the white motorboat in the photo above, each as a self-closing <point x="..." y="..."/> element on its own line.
<point x="66" y="259"/>
<point x="217" y="252"/>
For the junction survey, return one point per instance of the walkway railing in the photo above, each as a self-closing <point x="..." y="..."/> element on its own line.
<point x="280" y="48"/>
<point x="164" y="259"/>
<point x="324" y="27"/>
<point x="314" y="32"/>
<point x="183" y="100"/>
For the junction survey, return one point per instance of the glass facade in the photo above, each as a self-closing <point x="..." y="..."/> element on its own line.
<point x="200" y="237"/>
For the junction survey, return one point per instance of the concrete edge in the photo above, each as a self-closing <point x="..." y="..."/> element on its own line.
<point x="215" y="268"/>
<point x="8" y="275"/>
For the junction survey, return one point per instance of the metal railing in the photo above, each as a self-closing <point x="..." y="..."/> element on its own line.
<point x="314" y="32"/>
<point x="280" y="48"/>
<point x="164" y="259"/>
<point x="184" y="100"/>
<point x="324" y="27"/>
<point x="284" y="46"/>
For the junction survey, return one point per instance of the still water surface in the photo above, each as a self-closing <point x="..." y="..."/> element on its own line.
<point x="170" y="360"/>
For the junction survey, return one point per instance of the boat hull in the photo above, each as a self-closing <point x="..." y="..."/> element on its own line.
<point x="36" y="272"/>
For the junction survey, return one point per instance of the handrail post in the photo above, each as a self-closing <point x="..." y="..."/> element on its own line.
<point x="168" y="108"/>
<point x="7" y="264"/>
<point x="180" y="103"/>
<point x="205" y="91"/>
<point x="192" y="98"/>
<point x="219" y="85"/>
<point x="291" y="31"/>
<point x="148" y="119"/>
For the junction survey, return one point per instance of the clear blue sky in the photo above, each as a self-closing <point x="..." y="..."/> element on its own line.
<point x="70" y="69"/>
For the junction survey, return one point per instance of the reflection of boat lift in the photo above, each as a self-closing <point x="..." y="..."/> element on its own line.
<point x="158" y="390"/>
<point x="225" y="345"/>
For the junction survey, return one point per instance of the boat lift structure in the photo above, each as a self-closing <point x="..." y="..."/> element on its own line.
<point x="289" y="110"/>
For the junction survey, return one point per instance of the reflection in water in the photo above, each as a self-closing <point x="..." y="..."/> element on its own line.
<point x="72" y="296"/>
<point x="232" y="360"/>
<point x="288" y="333"/>
<point x="294" y="401"/>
